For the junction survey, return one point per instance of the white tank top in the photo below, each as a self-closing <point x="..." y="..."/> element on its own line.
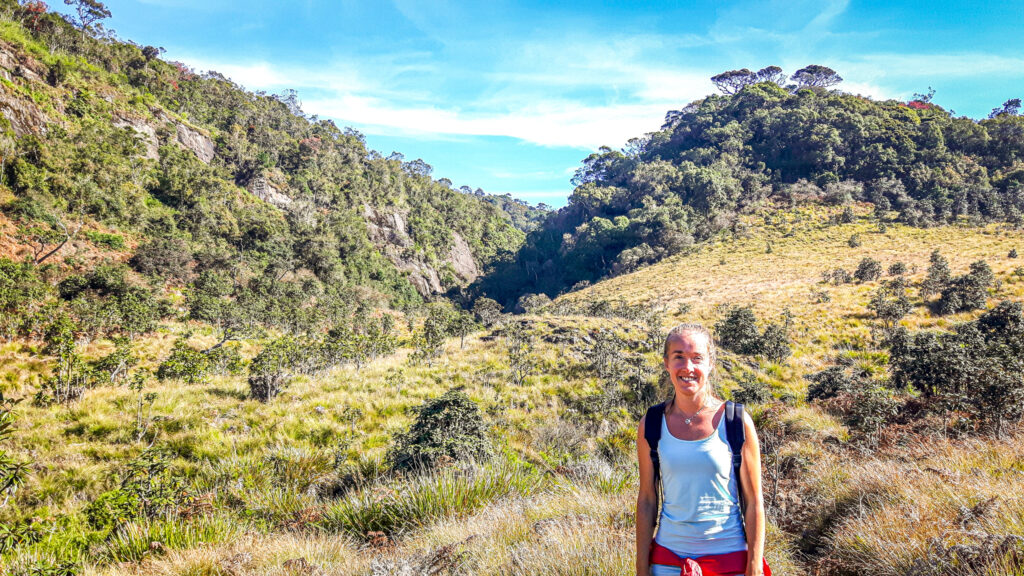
<point x="701" y="513"/>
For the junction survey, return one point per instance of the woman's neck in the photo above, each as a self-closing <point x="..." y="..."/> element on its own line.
<point x="690" y="404"/>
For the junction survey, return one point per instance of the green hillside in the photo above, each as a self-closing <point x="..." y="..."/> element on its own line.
<point x="724" y="156"/>
<point x="230" y="342"/>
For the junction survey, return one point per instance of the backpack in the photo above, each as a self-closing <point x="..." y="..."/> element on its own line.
<point x="734" y="433"/>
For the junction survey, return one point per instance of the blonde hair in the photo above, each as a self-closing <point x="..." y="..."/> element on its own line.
<point x="695" y="328"/>
<point x="692" y="328"/>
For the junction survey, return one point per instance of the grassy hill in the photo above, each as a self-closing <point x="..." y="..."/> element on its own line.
<point x="301" y="484"/>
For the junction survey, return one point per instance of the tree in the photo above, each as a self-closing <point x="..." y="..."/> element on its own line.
<point x="771" y="74"/>
<point x="1009" y="108"/>
<point x="737" y="331"/>
<point x="967" y="292"/>
<point x="88" y="13"/>
<point x="816" y="76"/>
<point x="938" y="276"/>
<point x="732" y="81"/>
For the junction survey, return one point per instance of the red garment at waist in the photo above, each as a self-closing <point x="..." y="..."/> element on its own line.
<point x="713" y="565"/>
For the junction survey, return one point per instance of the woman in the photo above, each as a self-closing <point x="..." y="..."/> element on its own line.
<point x="701" y="521"/>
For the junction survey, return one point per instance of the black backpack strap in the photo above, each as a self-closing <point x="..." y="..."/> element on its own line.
<point x="652" y="433"/>
<point x="736" y="435"/>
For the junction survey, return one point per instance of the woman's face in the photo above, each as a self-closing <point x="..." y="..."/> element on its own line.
<point x="688" y="363"/>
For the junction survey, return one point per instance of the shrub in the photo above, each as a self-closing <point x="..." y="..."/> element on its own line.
<point x="112" y="241"/>
<point x="897" y="269"/>
<point x="168" y="257"/>
<point x="752" y="391"/>
<point x="967" y="292"/>
<point x="868" y="270"/>
<point x="738" y="331"/>
<point x="854" y="241"/>
<point x="531" y="303"/>
<point x="839" y="276"/>
<point x="774" y="343"/>
<point x="974" y="369"/>
<point x="487" y="311"/>
<point x="271" y="369"/>
<point x="830" y="383"/>
<point x="148" y="489"/>
<point x="12" y="472"/>
<point x="449" y="427"/>
<point x="1012" y="254"/>
<point x="184" y="363"/>
<point x="890" y="303"/>
<point x="938" y="276"/>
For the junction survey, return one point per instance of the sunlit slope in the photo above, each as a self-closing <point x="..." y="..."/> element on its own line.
<point x="775" y="263"/>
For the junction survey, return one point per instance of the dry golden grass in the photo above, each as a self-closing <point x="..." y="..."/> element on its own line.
<point x="880" y="509"/>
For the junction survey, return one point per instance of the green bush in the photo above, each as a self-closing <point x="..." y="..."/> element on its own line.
<point x="967" y="292"/>
<point x="750" y="390"/>
<point x="897" y="269"/>
<point x="112" y="241"/>
<point x="149" y="489"/>
<point x="830" y="383"/>
<point x="737" y="331"/>
<point x="938" y="276"/>
<point x="185" y="363"/>
<point x="448" y="428"/>
<point x="975" y="369"/>
<point x="868" y="270"/>
<point x="272" y="369"/>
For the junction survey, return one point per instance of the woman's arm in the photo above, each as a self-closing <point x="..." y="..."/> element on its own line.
<point x="646" y="504"/>
<point x="753" y="499"/>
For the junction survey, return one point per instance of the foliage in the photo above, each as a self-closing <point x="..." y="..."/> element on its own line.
<point x="737" y="331"/>
<point x="148" y="488"/>
<point x="937" y="277"/>
<point x="976" y="369"/>
<point x="724" y="155"/>
<point x="967" y="292"/>
<point x="13" y="473"/>
<point x="273" y="367"/>
<point x="22" y="290"/>
<point x="750" y="390"/>
<point x="185" y="363"/>
<point x="518" y="347"/>
<point x="868" y="270"/>
<point x="890" y="302"/>
<point x="447" y="428"/>
<point x="487" y="311"/>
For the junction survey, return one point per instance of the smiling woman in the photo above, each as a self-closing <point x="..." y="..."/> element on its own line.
<point x="692" y="450"/>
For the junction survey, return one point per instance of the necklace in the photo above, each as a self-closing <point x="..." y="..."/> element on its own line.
<point x="690" y="419"/>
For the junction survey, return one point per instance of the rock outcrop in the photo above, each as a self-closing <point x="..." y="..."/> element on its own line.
<point x="263" y="188"/>
<point x="23" y="114"/>
<point x="150" y="142"/>
<point x="461" y="258"/>
<point x="197" y="142"/>
<point x="389" y="232"/>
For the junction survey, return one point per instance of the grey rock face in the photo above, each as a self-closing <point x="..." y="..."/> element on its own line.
<point x="197" y="142"/>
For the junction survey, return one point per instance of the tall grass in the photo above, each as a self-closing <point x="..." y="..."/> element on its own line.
<point x="134" y="541"/>
<point x="392" y="510"/>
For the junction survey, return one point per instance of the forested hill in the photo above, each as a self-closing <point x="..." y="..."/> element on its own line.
<point x="765" y="142"/>
<point x="114" y="157"/>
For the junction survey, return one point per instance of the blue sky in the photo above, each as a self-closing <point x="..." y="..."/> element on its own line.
<point x="511" y="96"/>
